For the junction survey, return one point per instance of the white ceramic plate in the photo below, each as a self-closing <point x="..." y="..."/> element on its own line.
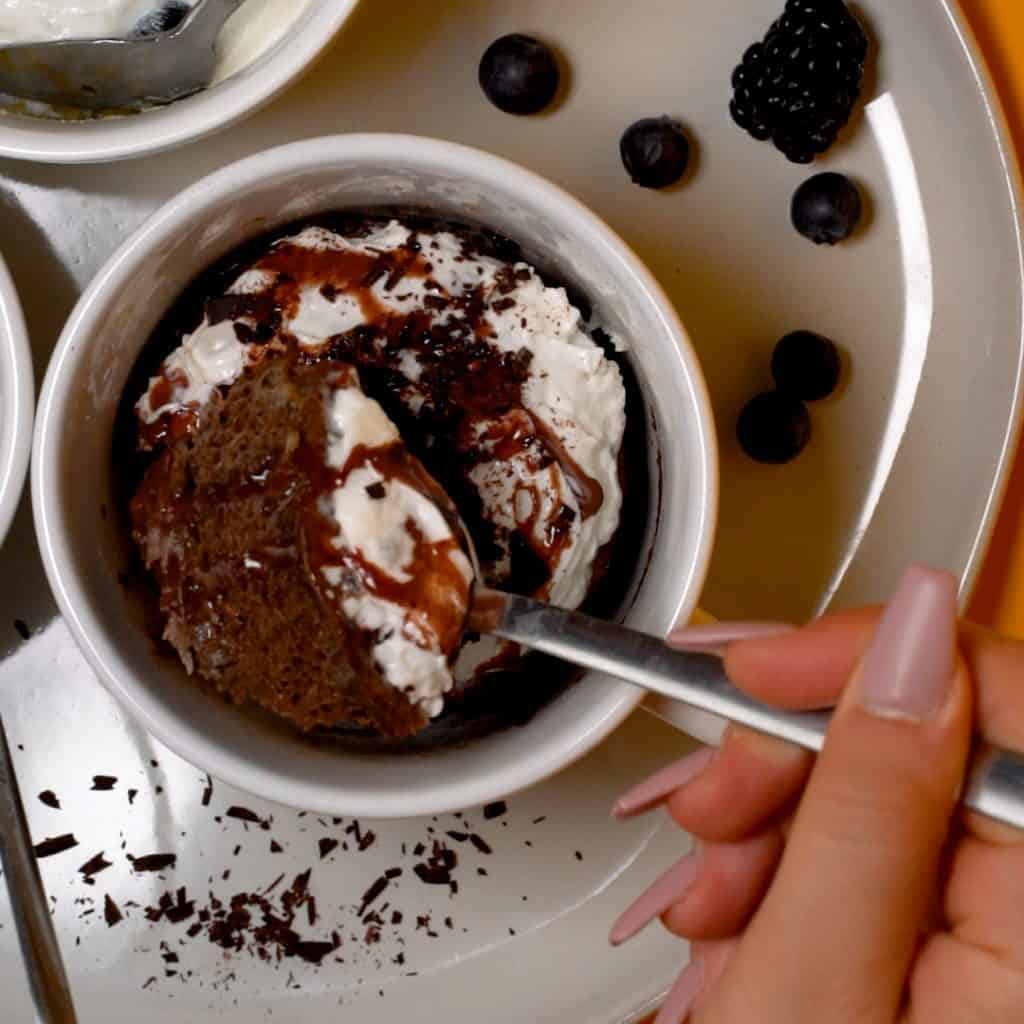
<point x="16" y="399"/>
<point x="907" y="463"/>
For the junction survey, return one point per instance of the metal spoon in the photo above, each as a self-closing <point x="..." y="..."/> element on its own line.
<point x="47" y="979"/>
<point x="119" y="74"/>
<point x="995" y="784"/>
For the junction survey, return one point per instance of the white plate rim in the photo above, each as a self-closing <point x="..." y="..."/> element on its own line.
<point x="16" y="392"/>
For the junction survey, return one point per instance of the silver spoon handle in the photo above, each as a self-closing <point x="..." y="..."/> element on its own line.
<point x="47" y="979"/>
<point x="995" y="784"/>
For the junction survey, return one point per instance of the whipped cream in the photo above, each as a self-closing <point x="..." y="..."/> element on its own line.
<point x="382" y="521"/>
<point x="546" y="467"/>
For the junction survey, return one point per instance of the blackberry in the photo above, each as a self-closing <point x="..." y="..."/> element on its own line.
<point x="798" y="87"/>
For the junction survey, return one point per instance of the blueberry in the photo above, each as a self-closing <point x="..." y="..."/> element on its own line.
<point x="519" y="74"/>
<point x="806" y="366"/>
<point x="166" y="17"/>
<point x="827" y="208"/>
<point x="774" y="428"/>
<point x="655" y="151"/>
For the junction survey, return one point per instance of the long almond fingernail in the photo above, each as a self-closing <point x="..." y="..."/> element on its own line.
<point x="720" y="634"/>
<point x="662" y="784"/>
<point x="683" y="995"/>
<point x="666" y="891"/>
<point x="908" y="670"/>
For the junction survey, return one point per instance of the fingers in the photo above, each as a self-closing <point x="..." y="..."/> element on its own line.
<point x="962" y="985"/>
<point x="984" y="899"/>
<point x="708" y="961"/>
<point x="840" y="923"/>
<point x="724" y="794"/>
<point x="751" y="780"/>
<point x="805" y="669"/>
<point x="730" y="883"/>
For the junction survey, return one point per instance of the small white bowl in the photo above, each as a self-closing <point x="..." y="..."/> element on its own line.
<point x="242" y="93"/>
<point x="16" y="379"/>
<point x="84" y="549"/>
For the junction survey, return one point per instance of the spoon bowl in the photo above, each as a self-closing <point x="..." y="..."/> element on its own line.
<point x="119" y="74"/>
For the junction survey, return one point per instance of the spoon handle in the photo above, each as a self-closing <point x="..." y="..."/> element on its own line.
<point x="995" y="784"/>
<point x="47" y="979"/>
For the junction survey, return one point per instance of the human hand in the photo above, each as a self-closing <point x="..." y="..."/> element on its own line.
<point x="851" y="890"/>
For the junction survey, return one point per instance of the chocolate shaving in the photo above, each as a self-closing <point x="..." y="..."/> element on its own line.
<point x="208" y="791"/>
<point x="94" y="866"/>
<point x="103" y="783"/>
<point x="480" y="844"/>
<point x="153" y="862"/>
<point x="327" y="847"/>
<point x="495" y="810"/>
<point x="58" y="844"/>
<point x="111" y="912"/>
<point x="23" y="630"/>
<point x="49" y="798"/>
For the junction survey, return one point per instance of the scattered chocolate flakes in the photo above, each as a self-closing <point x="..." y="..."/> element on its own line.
<point x="437" y="869"/>
<point x="94" y="866"/>
<point x="276" y="847"/>
<point x="153" y="862"/>
<point x="112" y="913"/>
<point x="327" y="847"/>
<point x="243" y="814"/>
<point x="541" y="819"/>
<point x="150" y="982"/>
<point x="103" y="783"/>
<point x="58" y="844"/>
<point x="132" y="794"/>
<point x="377" y="491"/>
<point x="459" y="837"/>
<point x="480" y="844"/>
<point x="495" y="810"/>
<point x="396" y="917"/>
<point x="579" y="856"/>
<point x="49" y="798"/>
<point x="208" y="791"/>
<point x="373" y="893"/>
<point x="23" y="630"/>
<point x="364" y="840"/>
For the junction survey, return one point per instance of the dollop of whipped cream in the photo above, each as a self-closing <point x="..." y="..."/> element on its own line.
<point x="544" y="464"/>
<point x="391" y="528"/>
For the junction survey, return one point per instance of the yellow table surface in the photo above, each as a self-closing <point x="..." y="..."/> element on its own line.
<point x="999" y="599"/>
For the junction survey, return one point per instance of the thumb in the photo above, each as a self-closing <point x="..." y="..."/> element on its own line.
<point x="836" y="934"/>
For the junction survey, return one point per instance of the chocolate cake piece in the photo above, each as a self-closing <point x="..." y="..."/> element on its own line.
<point x="232" y="520"/>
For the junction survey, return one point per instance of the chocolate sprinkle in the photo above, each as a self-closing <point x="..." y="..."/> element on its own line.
<point x="154" y="862"/>
<point x="327" y="847"/>
<point x="94" y="866"/>
<point x="112" y="912"/>
<point x="23" y="630"/>
<point x="495" y="810"/>
<point x="49" y="798"/>
<point x="58" y="844"/>
<point x="480" y="844"/>
<point x="104" y="783"/>
<point x="208" y="792"/>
